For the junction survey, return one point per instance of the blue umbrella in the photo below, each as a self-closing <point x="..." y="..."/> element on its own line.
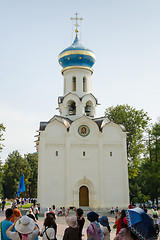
<point x="141" y="224"/>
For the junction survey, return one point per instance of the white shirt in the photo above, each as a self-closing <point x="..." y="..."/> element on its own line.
<point x="50" y="233"/>
<point x="106" y="233"/>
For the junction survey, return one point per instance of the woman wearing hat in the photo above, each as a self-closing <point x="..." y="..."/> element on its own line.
<point x="105" y="227"/>
<point x="72" y="232"/>
<point x="94" y="231"/>
<point x="25" y="229"/>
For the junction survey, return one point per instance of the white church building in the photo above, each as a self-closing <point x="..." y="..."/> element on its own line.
<point x="82" y="158"/>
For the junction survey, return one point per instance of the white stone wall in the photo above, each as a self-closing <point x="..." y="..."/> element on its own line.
<point x="60" y="177"/>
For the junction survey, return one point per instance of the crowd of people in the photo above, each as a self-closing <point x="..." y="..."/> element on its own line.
<point x="18" y="227"/>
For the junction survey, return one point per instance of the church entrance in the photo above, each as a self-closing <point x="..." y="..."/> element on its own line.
<point x="83" y="196"/>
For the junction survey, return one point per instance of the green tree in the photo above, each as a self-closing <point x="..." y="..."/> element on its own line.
<point x="136" y="193"/>
<point x="32" y="159"/>
<point x="2" y="130"/>
<point x="12" y="170"/>
<point x="149" y="178"/>
<point x="136" y="123"/>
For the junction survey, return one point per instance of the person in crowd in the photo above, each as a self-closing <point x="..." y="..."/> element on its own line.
<point x="54" y="209"/>
<point x="105" y="227"/>
<point x="80" y="221"/>
<point x="157" y="229"/>
<point x="3" y="204"/>
<point x="112" y="210"/>
<point x="121" y="222"/>
<point x="34" y="219"/>
<point x="116" y="211"/>
<point x="22" y="201"/>
<point x="35" y="211"/>
<point x="155" y="216"/>
<point x="34" y="201"/>
<point x="52" y="215"/>
<point x="144" y="208"/>
<point x="130" y="206"/>
<point x="60" y="212"/>
<point x="94" y="231"/>
<point x="25" y="229"/>
<point x="45" y="213"/>
<point x="39" y="207"/>
<point x="6" y="223"/>
<point x="16" y="213"/>
<point x="126" y="234"/>
<point x="72" y="232"/>
<point x="30" y="212"/>
<point x="48" y="231"/>
<point x="63" y="211"/>
<point x="14" y="204"/>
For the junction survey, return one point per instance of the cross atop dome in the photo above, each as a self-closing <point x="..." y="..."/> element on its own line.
<point x="76" y="24"/>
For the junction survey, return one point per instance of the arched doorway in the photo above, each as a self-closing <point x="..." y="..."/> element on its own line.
<point x="83" y="196"/>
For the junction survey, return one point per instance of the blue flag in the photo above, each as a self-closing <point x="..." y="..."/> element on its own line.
<point x="21" y="186"/>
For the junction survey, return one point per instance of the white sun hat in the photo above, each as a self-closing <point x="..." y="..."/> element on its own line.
<point x="71" y="221"/>
<point x="25" y="225"/>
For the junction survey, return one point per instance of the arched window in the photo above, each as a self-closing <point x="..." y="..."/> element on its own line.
<point x="74" y="83"/>
<point x="84" y="84"/>
<point x="71" y="108"/>
<point x="88" y="108"/>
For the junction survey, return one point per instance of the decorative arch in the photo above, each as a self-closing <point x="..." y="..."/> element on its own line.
<point x="71" y="96"/>
<point x="88" y="184"/>
<point x="84" y="196"/>
<point x="88" y="109"/>
<point x="71" y="107"/>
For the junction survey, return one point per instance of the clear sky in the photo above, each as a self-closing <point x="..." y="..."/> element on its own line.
<point x="124" y="35"/>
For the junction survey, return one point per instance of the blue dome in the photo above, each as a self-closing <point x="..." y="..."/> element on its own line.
<point x="76" y="55"/>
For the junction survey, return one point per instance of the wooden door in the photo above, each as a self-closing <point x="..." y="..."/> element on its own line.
<point x="83" y="196"/>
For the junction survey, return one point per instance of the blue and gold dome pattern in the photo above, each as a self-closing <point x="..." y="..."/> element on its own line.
<point x="76" y="55"/>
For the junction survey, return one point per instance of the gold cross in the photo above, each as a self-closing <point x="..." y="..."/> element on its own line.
<point x="76" y="24"/>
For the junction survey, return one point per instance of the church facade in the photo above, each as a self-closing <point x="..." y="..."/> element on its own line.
<point x="82" y="158"/>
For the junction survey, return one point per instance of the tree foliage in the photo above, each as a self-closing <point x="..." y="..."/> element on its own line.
<point x="33" y="163"/>
<point x="135" y="123"/>
<point x="12" y="170"/>
<point x="149" y="178"/>
<point x="2" y="130"/>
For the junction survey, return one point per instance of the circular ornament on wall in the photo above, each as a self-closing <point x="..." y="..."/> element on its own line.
<point x="83" y="130"/>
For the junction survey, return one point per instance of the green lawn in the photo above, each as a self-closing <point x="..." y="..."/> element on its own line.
<point x="28" y="205"/>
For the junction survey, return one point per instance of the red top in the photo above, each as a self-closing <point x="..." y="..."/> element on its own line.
<point x="130" y="206"/>
<point x="119" y="225"/>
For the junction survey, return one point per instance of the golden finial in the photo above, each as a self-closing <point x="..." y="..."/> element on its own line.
<point x="76" y="24"/>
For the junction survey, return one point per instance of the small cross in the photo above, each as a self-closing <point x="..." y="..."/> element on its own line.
<point x="76" y="24"/>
